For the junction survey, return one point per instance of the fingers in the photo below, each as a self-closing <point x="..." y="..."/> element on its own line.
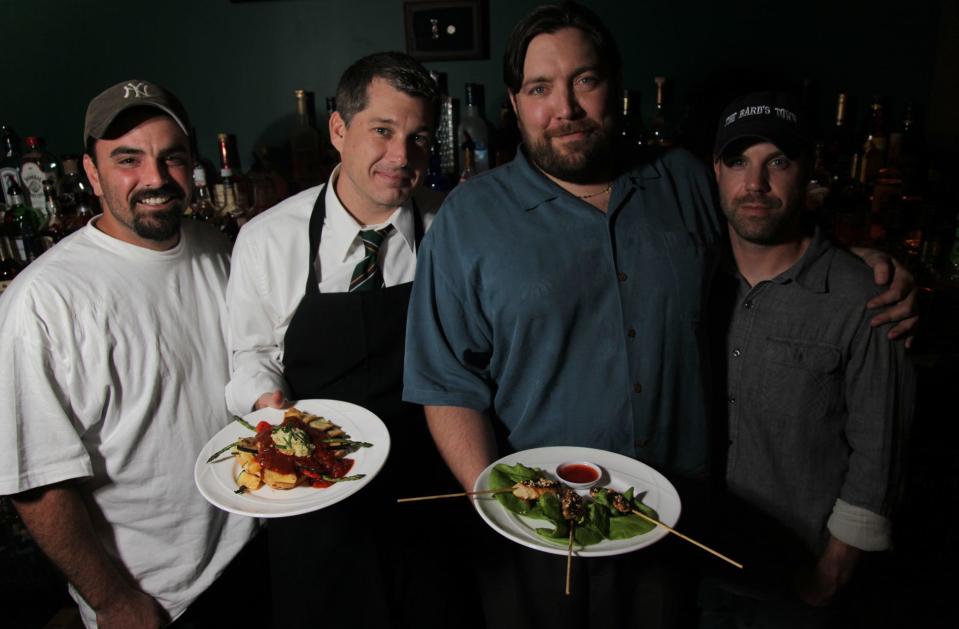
<point x="882" y="270"/>
<point x="275" y="399"/>
<point x="904" y="329"/>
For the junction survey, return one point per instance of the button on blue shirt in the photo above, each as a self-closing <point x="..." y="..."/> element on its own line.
<point x="569" y="325"/>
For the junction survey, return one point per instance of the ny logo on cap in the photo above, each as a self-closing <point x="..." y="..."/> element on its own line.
<point x="137" y="89"/>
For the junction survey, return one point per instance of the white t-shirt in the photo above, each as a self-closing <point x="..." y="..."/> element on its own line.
<point x="270" y="270"/>
<point x="115" y="362"/>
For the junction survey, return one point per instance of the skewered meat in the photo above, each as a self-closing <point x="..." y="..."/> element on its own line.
<point x="533" y="489"/>
<point x="615" y="499"/>
<point x="572" y="505"/>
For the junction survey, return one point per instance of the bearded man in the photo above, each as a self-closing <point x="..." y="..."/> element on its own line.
<point x="116" y="350"/>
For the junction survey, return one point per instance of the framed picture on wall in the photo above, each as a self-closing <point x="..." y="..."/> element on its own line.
<point x="443" y="31"/>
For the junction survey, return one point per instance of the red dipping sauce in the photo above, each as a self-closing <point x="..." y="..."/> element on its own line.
<point x="578" y="473"/>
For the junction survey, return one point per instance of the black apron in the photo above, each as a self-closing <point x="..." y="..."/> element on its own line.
<point x="363" y="562"/>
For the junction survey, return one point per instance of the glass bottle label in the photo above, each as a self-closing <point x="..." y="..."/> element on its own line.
<point x="32" y="177"/>
<point x="8" y="175"/>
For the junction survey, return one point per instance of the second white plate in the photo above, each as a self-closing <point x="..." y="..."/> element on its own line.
<point x="620" y="473"/>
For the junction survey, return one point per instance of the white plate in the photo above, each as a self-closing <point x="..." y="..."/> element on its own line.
<point x="619" y="473"/>
<point x="215" y="480"/>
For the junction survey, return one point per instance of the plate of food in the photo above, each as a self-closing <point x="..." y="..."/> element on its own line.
<point x="281" y="462"/>
<point x="541" y="498"/>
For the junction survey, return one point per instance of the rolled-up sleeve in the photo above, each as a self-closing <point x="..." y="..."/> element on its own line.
<point x="448" y="338"/>
<point x="879" y="389"/>
<point x="254" y="333"/>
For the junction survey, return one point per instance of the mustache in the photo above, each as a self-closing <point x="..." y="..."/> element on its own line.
<point x="585" y="126"/>
<point x="171" y="190"/>
<point x="766" y="202"/>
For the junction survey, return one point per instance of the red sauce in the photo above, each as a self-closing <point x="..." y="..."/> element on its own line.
<point x="322" y="462"/>
<point x="578" y="473"/>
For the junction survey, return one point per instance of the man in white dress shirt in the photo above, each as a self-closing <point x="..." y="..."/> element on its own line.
<point x="317" y="304"/>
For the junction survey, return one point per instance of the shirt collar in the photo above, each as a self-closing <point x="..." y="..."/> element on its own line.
<point x="536" y="188"/>
<point x="344" y="230"/>
<point x="807" y="272"/>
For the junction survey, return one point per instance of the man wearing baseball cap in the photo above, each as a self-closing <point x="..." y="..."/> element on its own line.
<point x="816" y="397"/>
<point x="116" y="364"/>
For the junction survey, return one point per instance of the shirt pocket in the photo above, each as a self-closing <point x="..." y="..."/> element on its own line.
<point x="800" y="379"/>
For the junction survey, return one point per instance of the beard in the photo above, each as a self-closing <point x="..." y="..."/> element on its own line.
<point x="781" y="224"/>
<point x="586" y="160"/>
<point x="159" y="225"/>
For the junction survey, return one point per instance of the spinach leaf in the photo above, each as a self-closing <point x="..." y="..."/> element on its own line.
<point x="598" y="517"/>
<point x="626" y="526"/>
<point x="518" y="472"/>
<point x="586" y="535"/>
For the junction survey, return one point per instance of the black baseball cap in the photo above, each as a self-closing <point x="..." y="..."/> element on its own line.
<point x="764" y="116"/>
<point x="111" y="102"/>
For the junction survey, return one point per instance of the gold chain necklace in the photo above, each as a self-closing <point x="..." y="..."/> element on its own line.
<point x="594" y="194"/>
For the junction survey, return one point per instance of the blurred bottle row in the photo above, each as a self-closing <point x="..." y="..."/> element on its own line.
<point x="874" y="185"/>
<point x="879" y="186"/>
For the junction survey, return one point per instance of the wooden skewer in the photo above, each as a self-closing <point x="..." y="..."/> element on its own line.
<point x="457" y="495"/>
<point x="569" y="557"/>
<point x="688" y="539"/>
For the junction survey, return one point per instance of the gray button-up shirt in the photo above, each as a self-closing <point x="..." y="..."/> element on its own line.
<point x="816" y="399"/>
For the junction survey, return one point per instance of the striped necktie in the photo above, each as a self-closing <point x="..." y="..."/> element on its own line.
<point x="367" y="275"/>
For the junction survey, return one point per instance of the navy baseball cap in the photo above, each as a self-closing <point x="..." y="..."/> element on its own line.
<point x="766" y="117"/>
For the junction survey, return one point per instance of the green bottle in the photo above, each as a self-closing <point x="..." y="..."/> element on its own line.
<point x="23" y="227"/>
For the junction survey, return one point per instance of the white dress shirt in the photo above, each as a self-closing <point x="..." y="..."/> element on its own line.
<point x="269" y="272"/>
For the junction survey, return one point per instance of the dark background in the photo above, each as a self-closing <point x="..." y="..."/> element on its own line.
<point x="235" y="65"/>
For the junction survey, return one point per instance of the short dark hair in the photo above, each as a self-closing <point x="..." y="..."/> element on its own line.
<point x="401" y="71"/>
<point x="551" y="18"/>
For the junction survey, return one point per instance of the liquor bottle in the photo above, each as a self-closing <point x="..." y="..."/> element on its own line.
<point x="23" y="227"/>
<point x="234" y="207"/>
<point x="8" y="265"/>
<point x="305" y="146"/>
<point x="201" y="206"/>
<point x="911" y="154"/>
<point x="73" y="185"/>
<point x="230" y="162"/>
<point x="874" y="147"/>
<point x="87" y="206"/>
<point x="445" y="127"/>
<point x="818" y="187"/>
<point x="660" y="133"/>
<point x="468" y="157"/>
<point x="473" y="125"/>
<point x="840" y="146"/>
<point x="435" y="179"/>
<point x="269" y="187"/>
<point x="53" y="231"/>
<point x="507" y="136"/>
<point x="9" y="161"/>
<point x="631" y="128"/>
<point x="37" y="165"/>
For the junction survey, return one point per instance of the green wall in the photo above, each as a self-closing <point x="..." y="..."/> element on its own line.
<point x="235" y="65"/>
